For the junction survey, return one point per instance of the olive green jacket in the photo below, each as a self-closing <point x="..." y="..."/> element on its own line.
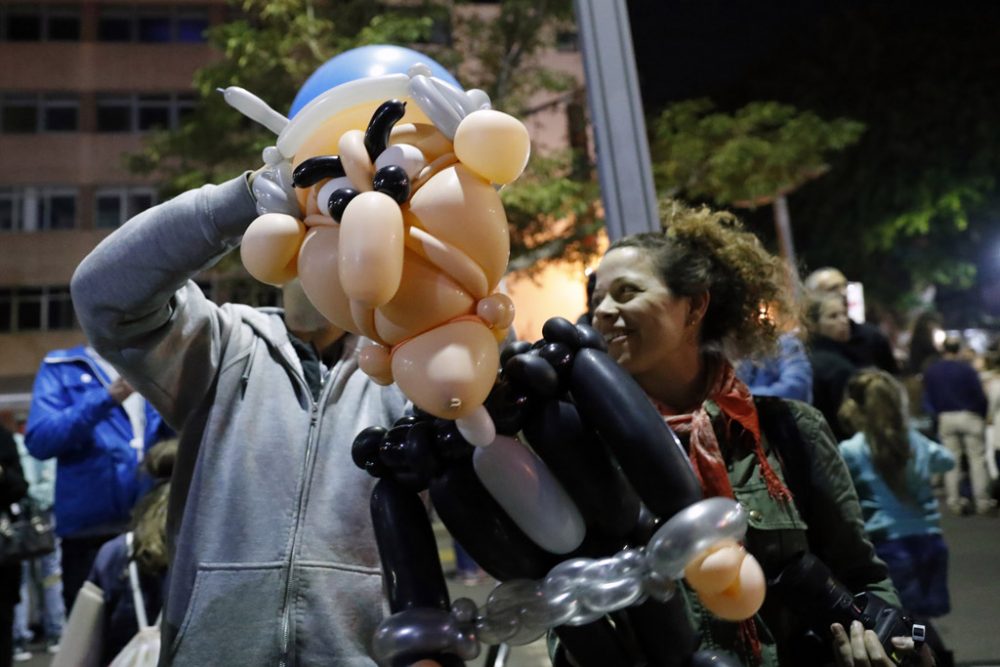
<point x="834" y="532"/>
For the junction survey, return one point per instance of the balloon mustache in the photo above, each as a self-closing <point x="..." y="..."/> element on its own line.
<point x="602" y="469"/>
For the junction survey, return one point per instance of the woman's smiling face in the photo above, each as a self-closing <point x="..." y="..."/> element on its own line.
<point x="644" y="323"/>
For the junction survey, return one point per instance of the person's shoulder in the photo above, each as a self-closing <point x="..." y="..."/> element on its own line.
<point x="64" y="354"/>
<point x="854" y="446"/>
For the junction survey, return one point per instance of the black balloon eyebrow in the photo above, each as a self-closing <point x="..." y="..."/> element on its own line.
<point x="315" y="169"/>
<point x="385" y="117"/>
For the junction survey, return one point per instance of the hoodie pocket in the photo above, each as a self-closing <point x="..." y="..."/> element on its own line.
<point x="233" y="617"/>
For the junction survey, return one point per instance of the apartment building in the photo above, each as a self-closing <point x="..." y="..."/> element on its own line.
<point x="81" y="83"/>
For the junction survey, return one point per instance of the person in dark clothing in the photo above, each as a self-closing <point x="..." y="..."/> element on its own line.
<point x="12" y="489"/>
<point x="953" y="394"/>
<point x="866" y="345"/>
<point x="826" y="317"/>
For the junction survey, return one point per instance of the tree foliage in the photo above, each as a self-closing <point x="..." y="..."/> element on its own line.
<point x="272" y="46"/>
<point x="745" y="158"/>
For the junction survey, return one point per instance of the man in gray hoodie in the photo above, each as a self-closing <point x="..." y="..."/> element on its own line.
<point x="274" y="558"/>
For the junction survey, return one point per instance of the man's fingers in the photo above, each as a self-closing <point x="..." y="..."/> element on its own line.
<point x="841" y="646"/>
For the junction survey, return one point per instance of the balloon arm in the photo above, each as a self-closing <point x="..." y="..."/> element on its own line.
<point x="254" y="108"/>
<point x="272" y="186"/>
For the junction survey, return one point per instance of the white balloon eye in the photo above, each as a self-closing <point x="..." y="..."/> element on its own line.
<point x="323" y="196"/>
<point x="407" y="156"/>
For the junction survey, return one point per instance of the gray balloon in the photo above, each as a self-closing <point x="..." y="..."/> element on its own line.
<point x="691" y="531"/>
<point x="414" y="632"/>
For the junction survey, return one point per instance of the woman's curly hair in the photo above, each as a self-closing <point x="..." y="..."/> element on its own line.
<point x="703" y="250"/>
<point x="149" y="518"/>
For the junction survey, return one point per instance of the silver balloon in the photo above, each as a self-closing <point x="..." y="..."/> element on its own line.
<point x="659" y="588"/>
<point x="611" y="583"/>
<point x="496" y="629"/>
<point x="691" y="531"/>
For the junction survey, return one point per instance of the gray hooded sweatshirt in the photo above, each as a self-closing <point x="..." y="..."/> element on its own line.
<point x="274" y="557"/>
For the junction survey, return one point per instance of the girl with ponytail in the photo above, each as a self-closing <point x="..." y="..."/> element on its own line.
<point x="891" y="464"/>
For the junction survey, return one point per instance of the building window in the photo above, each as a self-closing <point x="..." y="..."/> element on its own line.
<point x="152" y="25"/>
<point x="142" y="113"/>
<point x="32" y="113"/>
<point x="48" y="308"/>
<point x="34" y="209"/>
<point x="116" y="205"/>
<point x="35" y="23"/>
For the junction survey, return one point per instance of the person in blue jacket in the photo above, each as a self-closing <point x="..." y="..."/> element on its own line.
<point x="98" y="429"/>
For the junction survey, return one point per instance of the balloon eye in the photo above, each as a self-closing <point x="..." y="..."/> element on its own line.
<point x="393" y="181"/>
<point x="325" y="193"/>
<point x="407" y="156"/>
<point x="339" y="201"/>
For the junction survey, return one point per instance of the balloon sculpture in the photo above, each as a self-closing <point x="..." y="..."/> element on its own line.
<point x="380" y="196"/>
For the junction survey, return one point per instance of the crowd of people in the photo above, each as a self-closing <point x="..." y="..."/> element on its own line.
<point x="271" y="554"/>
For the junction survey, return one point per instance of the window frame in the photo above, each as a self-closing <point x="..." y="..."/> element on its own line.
<point x="45" y="14"/>
<point x="46" y="297"/>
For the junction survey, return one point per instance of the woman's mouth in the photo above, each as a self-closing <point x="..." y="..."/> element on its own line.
<point x="616" y="336"/>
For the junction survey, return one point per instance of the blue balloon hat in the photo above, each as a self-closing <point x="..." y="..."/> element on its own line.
<point x="362" y="62"/>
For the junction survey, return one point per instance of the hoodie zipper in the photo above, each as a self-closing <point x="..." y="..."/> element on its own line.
<point x="286" y="612"/>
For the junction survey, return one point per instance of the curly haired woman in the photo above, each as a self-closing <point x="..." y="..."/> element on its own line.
<point x="675" y="308"/>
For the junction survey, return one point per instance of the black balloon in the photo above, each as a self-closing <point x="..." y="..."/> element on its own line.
<point x="338" y="201"/>
<point x="510" y="349"/>
<point x="315" y="169"/>
<point x="481" y="526"/>
<point x="385" y="117"/>
<point x="582" y="464"/>
<point x="611" y="403"/>
<point x="663" y="631"/>
<point x="449" y="445"/>
<point x="561" y="330"/>
<point x="507" y="404"/>
<point x="365" y="450"/>
<point x="407" y="548"/>
<point x="590" y="338"/>
<point x="392" y="180"/>
<point x="559" y="356"/>
<point x="532" y="373"/>
<point x="711" y="658"/>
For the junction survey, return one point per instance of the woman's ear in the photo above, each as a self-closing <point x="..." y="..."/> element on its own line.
<point x="697" y="306"/>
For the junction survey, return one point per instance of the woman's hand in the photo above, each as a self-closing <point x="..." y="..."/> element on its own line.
<point x="863" y="648"/>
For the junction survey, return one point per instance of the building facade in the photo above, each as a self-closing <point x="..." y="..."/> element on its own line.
<point x="81" y="83"/>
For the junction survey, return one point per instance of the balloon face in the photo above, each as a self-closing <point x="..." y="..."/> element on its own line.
<point x="743" y="597"/>
<point x="448" y="371"/>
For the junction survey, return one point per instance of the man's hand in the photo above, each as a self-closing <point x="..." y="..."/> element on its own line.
<point x="863" y="649"/>
<point x="272" y="185"/>
<point x="120" y="390"/>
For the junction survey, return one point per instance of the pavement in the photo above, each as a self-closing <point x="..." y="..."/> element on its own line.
<point x="972" y="630"/>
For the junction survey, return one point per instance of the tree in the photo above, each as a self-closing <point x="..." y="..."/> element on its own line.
<point x="274" y="45"/>
<point x="755" y="156"/>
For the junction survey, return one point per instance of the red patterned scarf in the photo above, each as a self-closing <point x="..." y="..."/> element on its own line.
<point x="736" y="403"/>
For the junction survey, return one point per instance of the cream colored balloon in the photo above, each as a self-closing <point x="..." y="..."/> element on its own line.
<point x="371" y="249"/>
<point x="493" y="144"/>
<point x="374" y="361"/>
<point x="497" y="310"/>
<point x="715" y="569"/>
<point x="461" y="209"/>
<point x="269" y="247"/>
<point x="448" y="371"/>
<point x="426" y="298"/>
<point x="320" y="281"/>
<point x="743" y="598"/>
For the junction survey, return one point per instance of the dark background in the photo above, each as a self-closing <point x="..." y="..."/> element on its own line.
<point x="925" y="79"/>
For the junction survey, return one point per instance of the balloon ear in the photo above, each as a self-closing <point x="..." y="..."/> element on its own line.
<point x="493" y="144"/>
<point x="270" y="246"/>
